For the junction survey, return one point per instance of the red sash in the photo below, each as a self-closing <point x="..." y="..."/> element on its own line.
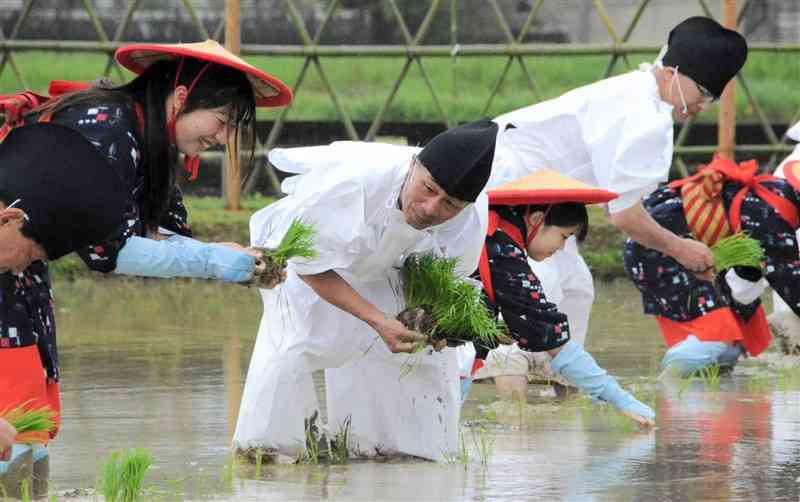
<point x="702" y="201"/>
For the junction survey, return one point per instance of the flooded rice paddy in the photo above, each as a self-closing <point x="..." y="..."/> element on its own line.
<point x="161" y="365"/>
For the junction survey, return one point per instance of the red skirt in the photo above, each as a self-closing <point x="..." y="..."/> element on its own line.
<point x="720" y="325"/>
<point x="23" y="380"/>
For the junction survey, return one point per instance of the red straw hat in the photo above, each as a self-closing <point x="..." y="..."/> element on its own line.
<point x="546" y="186"/>
<point x="269" y="90"/>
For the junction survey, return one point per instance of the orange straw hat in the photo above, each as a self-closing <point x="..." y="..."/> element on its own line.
<point x="269" y="90"/>
<point x="546" y="186"/>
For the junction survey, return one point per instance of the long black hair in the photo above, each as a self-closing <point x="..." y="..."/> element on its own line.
<point x="218" y="86"/>
<point x="566" y="214"/>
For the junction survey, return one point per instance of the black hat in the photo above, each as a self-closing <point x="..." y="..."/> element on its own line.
<point x="460" y="159"/>
<point x="705" y="51"/>
<point x="70" y="193"/>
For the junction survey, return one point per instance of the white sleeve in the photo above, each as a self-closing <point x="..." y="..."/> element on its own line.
<point x="630" y="155"/>
<point x="337" y="213"/>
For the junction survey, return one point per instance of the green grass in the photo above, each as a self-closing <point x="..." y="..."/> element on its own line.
<point x="463" y="85"/>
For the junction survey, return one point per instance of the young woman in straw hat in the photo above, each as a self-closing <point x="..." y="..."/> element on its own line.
<point x="185" y="99"/>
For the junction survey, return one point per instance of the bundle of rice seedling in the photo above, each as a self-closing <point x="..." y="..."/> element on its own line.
<point x="443" y="306"/>
<point x="297" y="243"/>
<point x="737" y="250"/>
<point x="123" y="474"/>
<point x="33" y="425"/>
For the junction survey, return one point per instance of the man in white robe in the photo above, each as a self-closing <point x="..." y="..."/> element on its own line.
<point x="371" y="205"/>
<point x="616" y="134"/>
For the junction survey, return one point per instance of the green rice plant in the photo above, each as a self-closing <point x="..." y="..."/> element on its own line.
<point x="123" y="473"/>
<point x="710" y="376"/>
<point x="259" y="462"/>
<point x="443" y="306"/>
<point x="311" y="453"/>
<point x="298" y="242"/>
<point x="462" y="456"/>
<point x="758" y="384"/>
<point x="227" y="474"/>
<point x="685" y="383"/>
<point x="339" y="452"/>
<point x="25" y="490"/>
<point x="738" y="249"/>
<point x="483" y="441"/>
<point x="31" y="424"/>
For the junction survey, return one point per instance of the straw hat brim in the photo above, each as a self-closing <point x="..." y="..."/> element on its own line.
<point x="546" y="186"/>
<point x="269" y="90"/>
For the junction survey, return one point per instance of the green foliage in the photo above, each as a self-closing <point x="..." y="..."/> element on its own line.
<point x="737" y="250"/>
<point x="123" y="473"/>
<point x="456" y="306"/>
<point x="297" y="243"/>
<point x="463" y="85"/>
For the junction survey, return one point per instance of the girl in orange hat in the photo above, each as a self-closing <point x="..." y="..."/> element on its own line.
<point x="185" y="99"/>
<point x="533" y="217"/>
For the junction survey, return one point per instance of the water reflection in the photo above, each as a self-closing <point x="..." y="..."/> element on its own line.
<point x="161" y="366"/>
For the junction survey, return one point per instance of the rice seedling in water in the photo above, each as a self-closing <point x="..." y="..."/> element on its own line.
<point x="123" y="474"/>
<point x="227" y="475"/>
<point x="33" y="425"/>
<point x="684" y="384"/>
<point x="25" y="490"/>
<point x="339" y="448"/>
<point x="737" y="250"/>
<point x="259" y="462"/>
<point x="443" y="306"/>
<point x="710" y="377"/>
<point x="462" y="455"/>
<point x="483" y="442"/>
<point x="310" y="455"/>
<point x="758" y="384"/>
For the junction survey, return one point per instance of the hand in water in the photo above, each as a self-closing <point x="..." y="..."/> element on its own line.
<point x="644" y="422"/>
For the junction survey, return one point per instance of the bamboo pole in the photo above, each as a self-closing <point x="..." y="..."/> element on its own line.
<point x="726" y="128"/>
<point x="232" y="182"/>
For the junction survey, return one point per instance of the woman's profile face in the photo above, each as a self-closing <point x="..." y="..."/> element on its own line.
<point x="200" y="129"/>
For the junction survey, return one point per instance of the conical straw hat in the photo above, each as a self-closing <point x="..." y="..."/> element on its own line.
<point x="546" y="186"/>
<point x="269" y="90"/>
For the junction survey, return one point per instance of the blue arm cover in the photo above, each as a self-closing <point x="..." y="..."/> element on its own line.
<point x="579" y="367"/>
<point x="180" y="256"/>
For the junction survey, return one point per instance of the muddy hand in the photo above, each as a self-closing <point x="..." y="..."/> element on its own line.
<point x="266" y="273"/>
<point x="398" y="338"/>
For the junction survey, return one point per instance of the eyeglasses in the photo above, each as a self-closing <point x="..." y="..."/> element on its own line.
<point x="706" y="94"/>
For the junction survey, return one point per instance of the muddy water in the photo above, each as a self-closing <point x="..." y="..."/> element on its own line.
<point x="161" y="366"/>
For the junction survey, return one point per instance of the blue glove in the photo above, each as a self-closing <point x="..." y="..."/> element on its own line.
<point x="466" y="385"/>
<point x="580" y="369"/>
<point x="691" y="355"/>
<point x="183" y="257"/>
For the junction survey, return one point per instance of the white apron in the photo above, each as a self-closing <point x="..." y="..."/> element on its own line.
<point x="349" y="194"/>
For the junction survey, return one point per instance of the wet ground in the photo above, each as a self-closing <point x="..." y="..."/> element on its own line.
<point x="160" y="365"/>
